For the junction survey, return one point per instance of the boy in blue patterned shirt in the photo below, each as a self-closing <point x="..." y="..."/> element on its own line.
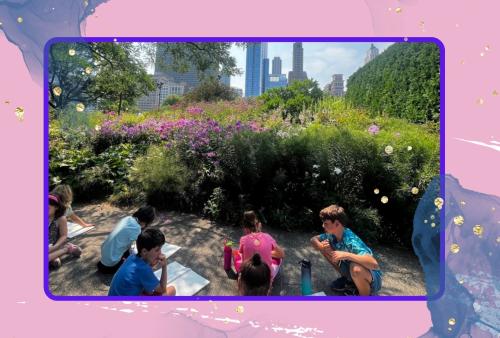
<point x="348" y="254"/>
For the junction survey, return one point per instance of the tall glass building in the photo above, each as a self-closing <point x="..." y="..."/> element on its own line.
<point x="254" y="74"/>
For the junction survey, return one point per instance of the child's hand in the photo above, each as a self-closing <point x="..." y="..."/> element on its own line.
<point x="340" y="255"/>
<point x="162" y="261"/>
<point x="324" y="245"/>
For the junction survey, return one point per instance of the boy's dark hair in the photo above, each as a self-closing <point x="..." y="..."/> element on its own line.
<point x="149" y="239"/>
<point x="334" y="213"/>
<point x="250" y="220"/>
<point x="145" y="214"/>
<point x="56" y="201"/>
<point x="255" y="277"/>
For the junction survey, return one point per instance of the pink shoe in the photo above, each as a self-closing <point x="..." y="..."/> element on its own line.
<point x="74" y="250"/>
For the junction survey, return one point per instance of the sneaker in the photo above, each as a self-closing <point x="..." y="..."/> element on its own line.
<point x="74" y="250"/>
<point x="339" y="284"/>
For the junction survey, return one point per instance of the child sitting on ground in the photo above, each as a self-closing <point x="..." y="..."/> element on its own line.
<point x="66" y="194"/>
<point x="58" y="231"/>
<point x="254" y="278"/>
<point x="115" y="249"/>
<point x="262" y="243"/>
<point x="348" y="254"/>
<point x="136" y="276"/>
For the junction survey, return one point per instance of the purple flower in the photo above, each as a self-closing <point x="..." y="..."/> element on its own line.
<point x="373" y="129"/>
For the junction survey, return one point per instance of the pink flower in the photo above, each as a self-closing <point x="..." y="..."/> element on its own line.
<point x="373" y="129"/>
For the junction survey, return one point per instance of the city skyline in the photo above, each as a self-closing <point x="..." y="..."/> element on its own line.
<point x="321" y="59"/>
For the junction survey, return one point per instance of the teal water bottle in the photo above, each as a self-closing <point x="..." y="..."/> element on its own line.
<point x="305" y="277"/>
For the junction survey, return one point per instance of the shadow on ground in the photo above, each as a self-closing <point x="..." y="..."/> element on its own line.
<point x="201" y="243"/>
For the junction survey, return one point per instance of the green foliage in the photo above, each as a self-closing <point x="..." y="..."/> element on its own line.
<point x="161" y="177"/>
<point x="211" y="90"/>
<point x="401" y="82"/>
<point x="293" y="99"/>
<point x="171" y="100"/>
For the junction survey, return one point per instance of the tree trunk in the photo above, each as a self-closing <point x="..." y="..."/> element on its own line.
<point x="120" y="104"/>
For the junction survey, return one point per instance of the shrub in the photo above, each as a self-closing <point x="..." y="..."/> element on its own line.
<point x="211" y="90"/>
<point x="293" y="99"/>
<point x="161" y="177"/>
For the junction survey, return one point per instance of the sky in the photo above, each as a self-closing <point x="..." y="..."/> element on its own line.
<point x="321" y="59"/>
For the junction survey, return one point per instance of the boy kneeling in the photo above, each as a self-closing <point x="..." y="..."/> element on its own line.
<point x="348" y="254"/>
<point x="136" y="277"/>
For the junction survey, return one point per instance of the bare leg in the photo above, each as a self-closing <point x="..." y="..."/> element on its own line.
<point x="58" y="253"/>
<point x="362" y="278"/>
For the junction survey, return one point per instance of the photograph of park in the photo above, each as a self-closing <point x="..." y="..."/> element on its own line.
<point x="252" y="168"/>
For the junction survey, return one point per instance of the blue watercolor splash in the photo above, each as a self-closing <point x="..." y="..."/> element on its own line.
<point x="41" y="21"/>
<point x="471" y="295"/>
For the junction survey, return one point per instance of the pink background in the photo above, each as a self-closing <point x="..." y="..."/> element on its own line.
<point x="465" y="29"/>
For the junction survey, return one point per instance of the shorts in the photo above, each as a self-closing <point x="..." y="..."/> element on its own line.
<point x="375" y="285"/>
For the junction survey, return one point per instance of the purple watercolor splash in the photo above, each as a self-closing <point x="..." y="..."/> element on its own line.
<point x="470" y="304"/>
<point x="29" y="24"/>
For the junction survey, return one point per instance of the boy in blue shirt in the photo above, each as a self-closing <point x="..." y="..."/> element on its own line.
<point x="136" y="276"/>
<point x="348" y="254"/>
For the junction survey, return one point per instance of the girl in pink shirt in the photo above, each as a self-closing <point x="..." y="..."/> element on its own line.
<point x="254" y="241"/>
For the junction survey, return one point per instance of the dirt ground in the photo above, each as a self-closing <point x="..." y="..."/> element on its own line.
<point x="201" y="243"/>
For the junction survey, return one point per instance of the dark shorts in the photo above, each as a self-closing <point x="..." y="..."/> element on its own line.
<point x="375" y="285"/>
<point x="108" y="270"/>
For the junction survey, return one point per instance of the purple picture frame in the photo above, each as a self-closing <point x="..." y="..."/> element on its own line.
<point x="241" y="39"/>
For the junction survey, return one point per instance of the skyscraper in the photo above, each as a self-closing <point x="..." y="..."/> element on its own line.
<point x="265" y="74"/>
<point x="297" y="73"/>
<point x="336" y="87"/>
<point x="254" y="74"/>
<point x="371" y="53"/>
<point x="276" y="65"/>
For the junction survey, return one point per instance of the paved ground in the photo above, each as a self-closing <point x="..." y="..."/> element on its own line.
<point x="202" y="249"/>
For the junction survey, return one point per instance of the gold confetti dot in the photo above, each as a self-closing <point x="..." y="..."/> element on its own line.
<point x="85" y="3"/>
<point x="20" y="19"/>
<point x="20" y="113"/>
<point x="80" y="107"/>
<point x="462" y="62"/>
<point x="487" y="47"/>
<point x="433" y="224"/>
<point x="405" y="38"/>
<point x="240" y="309"/>
<point x="454" y="248"/>
<point x="398" y="10"/>
<point x="449" y="329"/>
<point x="460" y="281"/>
<point x="88" y="70"/>
<point x="389" y="150"/>
<point x="482" y="54"/>
<point x="425" y="221"/>
<point x="498" y="239"/>
<point x="71" y="52"/>
<point x="376" y="191"/>
<point x="438" y="202"/>
<point x="433" y="217"/>
<point x="414" y="190"/>
<point x="478" y="230"/>
<point x="462" y="203"/>
<point x="495" y="93"/>
<point x="409" y="148"/>
<point x="458" y="220"/>
<point x="114" y="40"/>
<point x="480" y="101"/>
<point x="57" y="91"/>
<point x="384" y="199"/>
<point x="97" y="128"/>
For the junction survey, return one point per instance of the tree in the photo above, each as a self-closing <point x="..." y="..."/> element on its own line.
<point x="292" y="100"/>
<point x="211" y="90"/>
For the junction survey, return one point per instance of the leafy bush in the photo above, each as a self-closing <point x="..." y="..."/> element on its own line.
<point x="161" y="177"/>
<point x="211" y="90"/>
<point x="171" y="100"/>
<point x="401" y="82"/>
<point x="293" y="99"/>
